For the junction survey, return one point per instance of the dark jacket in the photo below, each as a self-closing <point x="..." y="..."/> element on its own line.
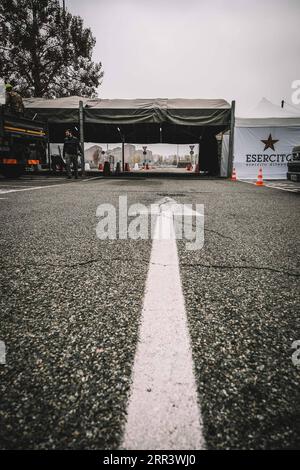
<point x="71" y="146"/>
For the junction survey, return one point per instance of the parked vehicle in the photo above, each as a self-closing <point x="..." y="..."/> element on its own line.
<point x="22" y="144"/>
<point x="293" y="173"/>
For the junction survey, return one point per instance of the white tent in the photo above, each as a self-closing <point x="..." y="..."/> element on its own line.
<point x="265" y="138"/>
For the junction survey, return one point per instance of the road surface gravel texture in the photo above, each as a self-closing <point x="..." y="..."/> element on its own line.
<point x="70" y="311"/>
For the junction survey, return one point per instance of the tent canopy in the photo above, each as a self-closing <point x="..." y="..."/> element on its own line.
<point x="265" y="138"/>
<point x="158" y="120"/>
<point x="268" y="114"/>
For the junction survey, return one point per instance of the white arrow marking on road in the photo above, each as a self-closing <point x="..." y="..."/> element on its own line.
<point x="163" y="410"/>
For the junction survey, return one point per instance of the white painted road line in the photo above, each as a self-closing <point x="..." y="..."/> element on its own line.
<point x="12" y="186"/>
<point x="163" y="410"/>
<point x="6" y="191"/>
<point x="281" y="186"/>
<point x="92" y="178"/>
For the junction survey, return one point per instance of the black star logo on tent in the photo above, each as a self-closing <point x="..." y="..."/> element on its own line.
<point x="269" y="143"/>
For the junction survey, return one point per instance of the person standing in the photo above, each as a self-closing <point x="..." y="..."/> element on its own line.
<point x="70" y="153"/>
<point x="13" y="101"/>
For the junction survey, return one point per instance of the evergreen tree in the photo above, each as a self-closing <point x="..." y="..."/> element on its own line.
<point x="45" y="51"/>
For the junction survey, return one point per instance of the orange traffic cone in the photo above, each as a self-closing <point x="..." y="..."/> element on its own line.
<point x="260" y="181"/>
<point x="233" y="176"/>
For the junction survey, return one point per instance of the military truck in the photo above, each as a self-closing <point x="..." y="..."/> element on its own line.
<point x="293" y="173"/>
<point x="23" y="144"/>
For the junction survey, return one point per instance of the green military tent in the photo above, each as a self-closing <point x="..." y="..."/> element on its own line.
<point x="139" y="120"/>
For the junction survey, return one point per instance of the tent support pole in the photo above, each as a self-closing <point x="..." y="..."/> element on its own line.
<point x="199" y="148"/>
<point x="199" y="145"/>
<point x="231" y="140"/>
<point x="123" y="154"/>
<point x="81" y="127"/>
<point x="48" y="145"/>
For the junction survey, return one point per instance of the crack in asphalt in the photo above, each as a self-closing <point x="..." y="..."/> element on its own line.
<point x="91" y="261"/>
<point x="201" y="265"/>
<point x="74" y="265"/>
<point x="217" y="233"/>
<point x="227" y="266"/>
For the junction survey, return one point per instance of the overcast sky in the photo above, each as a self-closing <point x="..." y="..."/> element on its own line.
<point x="231" y="49"/>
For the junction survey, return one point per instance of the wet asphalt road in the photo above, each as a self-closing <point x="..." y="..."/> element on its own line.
<point x="70" y="307"/>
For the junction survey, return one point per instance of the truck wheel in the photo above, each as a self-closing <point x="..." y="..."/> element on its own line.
<point x="13" y="171"/>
